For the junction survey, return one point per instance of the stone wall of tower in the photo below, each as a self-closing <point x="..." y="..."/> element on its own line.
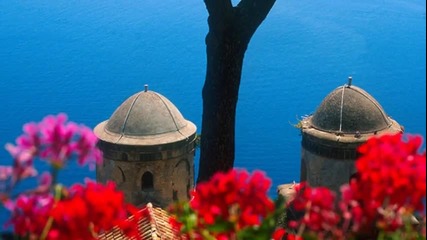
<point x="323" y="171"/>
<point x="326" y="163"/>
<point x="158" y="174"/>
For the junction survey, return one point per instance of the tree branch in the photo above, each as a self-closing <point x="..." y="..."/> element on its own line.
<point x="252" y="13"/>
<point x="218" y="8"/>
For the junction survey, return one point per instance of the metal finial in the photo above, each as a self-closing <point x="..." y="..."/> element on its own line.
<point x="145" y="87"/>
<point x="350" y="79"/>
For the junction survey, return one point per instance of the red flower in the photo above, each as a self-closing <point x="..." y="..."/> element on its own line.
<point x="91" y="209"/>
<point x="234" y="200"/>
<point x="234" y="196"/>
<point x="294" y="237"/>
<point x="30" y="214"/>
<point x="318" y="205"/>
<point x="391" y="180"/>
<point x="392" y="176"/>
<point x="83" y="213"/>
<point x="278" y="234"/>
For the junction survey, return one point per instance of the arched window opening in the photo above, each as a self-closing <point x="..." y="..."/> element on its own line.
<point x="147" y="181"/>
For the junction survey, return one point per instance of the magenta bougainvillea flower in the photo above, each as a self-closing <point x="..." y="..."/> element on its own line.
<point x="54" y="140"/>
<point x="57" y="141"/>
<point x="51" y="211"/>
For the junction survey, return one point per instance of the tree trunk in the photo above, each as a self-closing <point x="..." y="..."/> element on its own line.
<point x="230" y="30"/>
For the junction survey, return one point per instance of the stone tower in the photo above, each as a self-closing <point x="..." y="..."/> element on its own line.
<point x="148" y="150"/>
<point x="346" y="118"/>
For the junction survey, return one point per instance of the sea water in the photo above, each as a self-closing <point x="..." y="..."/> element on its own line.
<point x="85" y="58"/>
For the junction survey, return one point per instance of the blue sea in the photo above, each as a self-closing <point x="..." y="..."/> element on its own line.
<point x="85" y="58"/>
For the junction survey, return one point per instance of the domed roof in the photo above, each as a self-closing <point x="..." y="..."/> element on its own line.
<point x="146" y="118"/>
<point x="348" y="115"/>
<point x="349" y="109"/>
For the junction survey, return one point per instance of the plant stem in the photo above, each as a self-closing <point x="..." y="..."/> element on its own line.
<point x="54" y="172"/>
<point x="48" y="226"/>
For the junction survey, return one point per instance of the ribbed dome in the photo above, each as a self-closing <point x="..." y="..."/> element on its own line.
<point x="349" y="109"/>
<point x="146" y="118"/>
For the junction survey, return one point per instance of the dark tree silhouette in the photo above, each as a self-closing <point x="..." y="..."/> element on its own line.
<point x="230" y="31"/>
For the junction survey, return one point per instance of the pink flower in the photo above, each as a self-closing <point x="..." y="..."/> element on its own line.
<point x="5" y="181"/>
<point x="30" y="140"/>
<point x="85" y="147"/>
<point x="20" y="154"/>
<point x="23" y="163"/>
<point x="23" y="153"/>
<point x="5" y="173"/>
<point x="45" y="183"/>
<point x="55" y="140"/>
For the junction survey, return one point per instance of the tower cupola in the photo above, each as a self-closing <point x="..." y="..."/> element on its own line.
<point x="148" y="150"/>
<point x="345" y="119"/>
